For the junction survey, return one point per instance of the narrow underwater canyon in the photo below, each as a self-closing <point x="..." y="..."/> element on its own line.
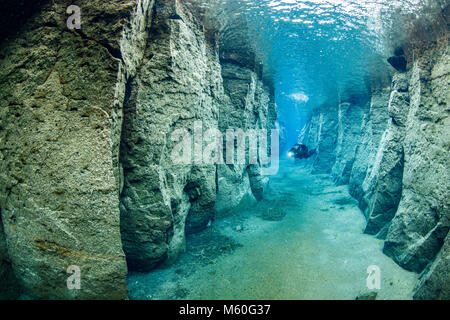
<point x="115" y="139"/>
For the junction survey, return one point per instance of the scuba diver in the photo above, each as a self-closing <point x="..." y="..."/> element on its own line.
<point x="300" y="151"/>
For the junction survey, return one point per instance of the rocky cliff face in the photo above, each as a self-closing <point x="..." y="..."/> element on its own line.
<point x="89" y="121"/>
<point x="382" y="186"/>
<point x="374" y="123"/>
<point x="321" y="133"/>
<point x="58" y="144"/>
<point x="249" y="107"/>
<point x="400" y="170"/>
<point x="421" y="223"/>
<point x="177" y="83"/>
<point x="349" y="134"/>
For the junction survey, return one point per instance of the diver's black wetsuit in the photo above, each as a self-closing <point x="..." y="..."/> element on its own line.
<point x="300" y="151"/>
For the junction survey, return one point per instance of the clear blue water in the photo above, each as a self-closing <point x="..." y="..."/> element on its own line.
<point x="319" y="51"/>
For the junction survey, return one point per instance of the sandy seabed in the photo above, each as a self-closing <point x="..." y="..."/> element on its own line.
<point x="304" y="241"/>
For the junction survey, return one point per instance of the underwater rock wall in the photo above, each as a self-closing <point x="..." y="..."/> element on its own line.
<point x="249" y="105"/>
<point x="419" y="230"/>
<point x="374" y="123"/>
<point x="177" y="83"/>
<point x="400" y="173"/>
<point x="89" y="120"/>
<point x="349" y="135"/>
<point x="59" y="146"/>
<point x="182" y="85"/>
<point x="383" y="184"/>
<point x="421" y="224"/>
<point x="321" y="133"/>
